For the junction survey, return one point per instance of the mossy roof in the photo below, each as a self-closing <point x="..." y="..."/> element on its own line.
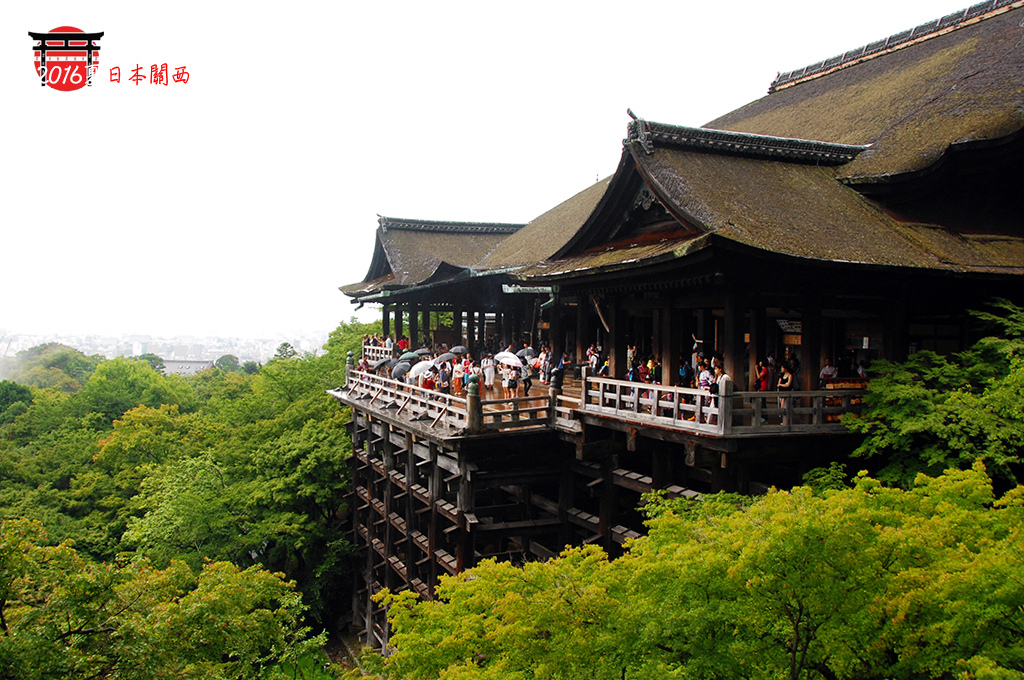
<point x="545" y="235"/>
<point x="909" y="104"/>
<point x="784" y="208"/>
<point x="410" y="252"/>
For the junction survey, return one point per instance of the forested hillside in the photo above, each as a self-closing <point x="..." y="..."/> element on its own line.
<point x="195" y="520"/>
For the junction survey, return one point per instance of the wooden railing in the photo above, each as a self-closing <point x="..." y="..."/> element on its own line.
<point x="732" y="414"/>
<point x="442" y="409"/>
<point x="736" y="414"/>
<point x="415" y="402"/>
<point x="376" y="353"/>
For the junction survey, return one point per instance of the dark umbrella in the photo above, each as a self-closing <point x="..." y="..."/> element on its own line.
<point x="380" y="362"/>
<point x="409" y="356"/>
<point x="392" y="363"/>
<point x="460" y="349"/>
<point x="422" y="351"/>
<point x="526" y="353"/>
<point x="447" y="356"/>
<point x="400" y="370"/>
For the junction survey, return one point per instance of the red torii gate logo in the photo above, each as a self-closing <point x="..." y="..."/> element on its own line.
<point x="66" y="57"/>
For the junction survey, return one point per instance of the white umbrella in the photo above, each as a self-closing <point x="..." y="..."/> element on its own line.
<point x="508" y="358"/>
<point x="420" y="368"/>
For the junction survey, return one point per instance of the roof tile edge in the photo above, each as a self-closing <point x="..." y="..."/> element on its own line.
<point x="763" y="146"/>
<point x="387" y="223"/>
<point x="896" y="41"/>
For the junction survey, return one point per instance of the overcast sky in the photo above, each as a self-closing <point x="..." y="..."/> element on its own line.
<point x="237" y="203"/>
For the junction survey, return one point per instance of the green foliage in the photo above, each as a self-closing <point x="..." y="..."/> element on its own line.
<point x="11" y="393"/>
<point x="228" y="362"/>
<point x="285" y="351"/>
<point x="153" y="360"/>
<point x="121" y="384"/>
<point x="859" y="582"/>
<point x="64" y="616"/>
<point x="52" y="365"/>
<point x="932" y="412"/>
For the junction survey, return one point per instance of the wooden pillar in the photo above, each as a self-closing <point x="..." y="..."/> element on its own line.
<point x="481" y="333"/>
<point x="399" y="325"/>
<point x="584" y="310"/>
<point x="732" y="339"/>
<point x="810" y="344"/>
<point x="457" y="325"/>
<point x="557" y="335"/>
<point x="616" y="319"/>
<point x="471" y="332"/>
<point x="758" y="343"/>
<point x="706" y="331"/>
<point x="385" y="324"/>
<point x="414" y="325"/>
<point x="894" y="340"/>
<point x="671" y="346"/>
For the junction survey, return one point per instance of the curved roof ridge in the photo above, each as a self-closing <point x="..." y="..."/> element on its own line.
<point x="387" y="223"/>
<point x="744" y="143"/>
<point x="925" y="31"/>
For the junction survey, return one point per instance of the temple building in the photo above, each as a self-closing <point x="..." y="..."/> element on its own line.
<point x="857" y="212"/>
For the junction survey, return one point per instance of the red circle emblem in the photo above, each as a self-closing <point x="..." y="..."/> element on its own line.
<point x="66" y="60"/>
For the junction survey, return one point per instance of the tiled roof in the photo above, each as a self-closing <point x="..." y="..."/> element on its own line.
<point x="927" y="30"/>
<point x="741" y="143"/>
<point x="910" y="105"/>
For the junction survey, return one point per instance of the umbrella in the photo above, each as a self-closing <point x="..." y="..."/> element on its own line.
<point x="400" y="370"/>
<point x="377" y="364"/>
<point x="460" y="349"/>
<point x="508" y="358"/>
<point x="420" y="368"/>
<point x="392" y="363"/>
<point x="422" y="351"/>
<point x="409" y="356"/>
<point x="447" y="356"/>
<point x="526" y="353"/>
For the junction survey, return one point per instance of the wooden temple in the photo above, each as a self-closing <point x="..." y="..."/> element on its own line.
<point x="857" y="212"/>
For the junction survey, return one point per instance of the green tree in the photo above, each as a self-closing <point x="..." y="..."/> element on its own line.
<point x="285" y="351"/>
<point x="156" y="362"/>
<point x="859" y="582"/>
<point x="64" y="616"/>
<point x="933" y="412"/>
<point x="250" y="367"/>
<point x="12" y="393"/>
<point x="228" y="362"/>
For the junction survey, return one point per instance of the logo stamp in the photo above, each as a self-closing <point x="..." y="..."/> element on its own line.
<point x="66" y="57"/>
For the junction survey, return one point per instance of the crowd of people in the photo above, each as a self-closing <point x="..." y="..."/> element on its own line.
<point x="450" y="371"/>
<point x="450" y="368"/>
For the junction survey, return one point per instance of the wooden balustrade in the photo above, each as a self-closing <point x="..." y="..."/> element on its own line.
<point x="376" y="353"/>
<point x="732" y="414"/>
<point x="736" y="414"/>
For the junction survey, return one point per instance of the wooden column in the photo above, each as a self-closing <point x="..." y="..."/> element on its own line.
<point x="471" y="333"/>
<point x="616" y="319"/>
<point x="414" y="325"/>
<point x="457" y="325"/>
<point x="758" y="343"/>
<point x="810" y="344"/>
<point x="583" y="310"/>
<point x="671" y="345"/>
<point x="557" y="335"/>
<point x="399" y="326"/>
<point x="385" y="324"/>
<point x="481" y="333"/>
<point x="894" y="341"/>
<point x="732" y="339"/>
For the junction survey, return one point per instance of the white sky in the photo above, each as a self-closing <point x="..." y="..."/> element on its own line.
<point x="236" y="204"/>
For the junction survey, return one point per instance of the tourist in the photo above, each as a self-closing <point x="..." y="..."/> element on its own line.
<point x="487" y="364"/>
<point x="828" y="373"/>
